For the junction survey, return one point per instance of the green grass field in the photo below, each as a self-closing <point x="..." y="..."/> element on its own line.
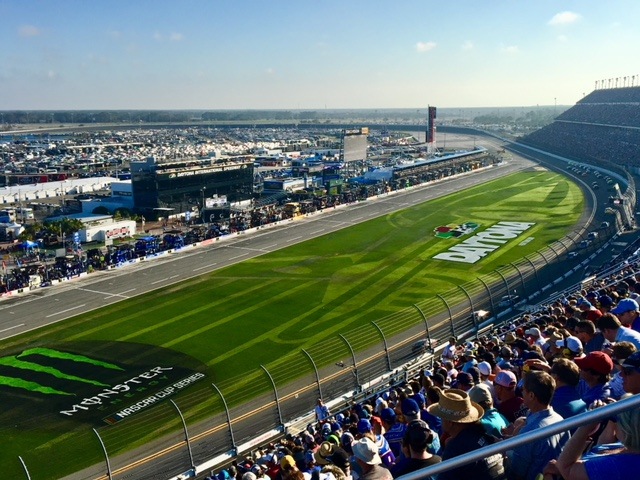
<point x="261" y="311"/>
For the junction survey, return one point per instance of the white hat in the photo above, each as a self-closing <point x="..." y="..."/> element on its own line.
<point x="366" y="451"/>
<point x="535" y="332"/>
<point x="485" y="368"/>
<point x="572" y="343"/>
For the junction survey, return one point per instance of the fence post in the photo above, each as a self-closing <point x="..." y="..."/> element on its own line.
<point x="106" y="456"/>
<point x="426" y="326"/>
<point x="353" y="357"/>
<point x="473" y="317"/>
<point x="186" y="434"/>
<point x="504" y="279"/>
<point x="493" y="307"/>
<point x="524" y="290"/>
<point x="315" y="368"/>
<point x="535" y="272"/>
<point x="453" y="330"/>
<point x="24" y="467"/>
<point x="384" y="341"/>
<point x="226" y="409"/>
<point x="275" y="394"/>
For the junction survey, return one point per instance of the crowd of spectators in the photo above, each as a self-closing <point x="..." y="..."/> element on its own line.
<point x="578" y="353"/>
<point x="622" y="114"/>
<point x="590" y="142"/>
<point x="596" y="128"/>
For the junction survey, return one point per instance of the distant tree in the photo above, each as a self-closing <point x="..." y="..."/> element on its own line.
<point x="101" y="210"/>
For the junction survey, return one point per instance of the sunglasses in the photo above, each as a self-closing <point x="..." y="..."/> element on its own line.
<point x="628" y="370"/>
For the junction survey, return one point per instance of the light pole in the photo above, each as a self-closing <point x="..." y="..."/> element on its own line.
<point x="203" y="204"/>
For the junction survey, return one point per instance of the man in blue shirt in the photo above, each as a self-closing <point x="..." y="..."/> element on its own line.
<point x="595" y="369"/>
<point x="527" y="461"/>
<point x="566" y="400"/>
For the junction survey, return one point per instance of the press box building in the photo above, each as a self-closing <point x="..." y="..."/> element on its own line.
<point x="172" y="187"/>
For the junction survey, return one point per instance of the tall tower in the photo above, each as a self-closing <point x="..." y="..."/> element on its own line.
<point x="431" y="130"/>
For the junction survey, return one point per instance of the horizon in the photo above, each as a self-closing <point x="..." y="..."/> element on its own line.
<point x="251" y="55"/>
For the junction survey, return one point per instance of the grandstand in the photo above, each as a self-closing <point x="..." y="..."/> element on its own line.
<point x="603" y="126"/>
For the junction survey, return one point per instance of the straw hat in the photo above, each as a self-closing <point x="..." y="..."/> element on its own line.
<point x="456" y="406"/>
<point x="324" y="452"/>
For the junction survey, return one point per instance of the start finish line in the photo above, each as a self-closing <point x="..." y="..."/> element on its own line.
<point x="474" y="248"/>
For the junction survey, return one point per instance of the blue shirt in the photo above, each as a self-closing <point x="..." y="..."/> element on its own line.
<point x="628" y="335"/>
<point x="591" y="394"/>
<point x="614" y="466"/>
<point x="493" y="422"/>
<point x="567" y="403"/>
<point x="528" y="460"/>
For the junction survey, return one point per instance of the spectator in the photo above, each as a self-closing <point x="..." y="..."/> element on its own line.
<point x="534" y="336"/>
<point x="620" y="352"/>
<point x="630" y="370"/>
<point x="591" y="339"/>
<point x="434" y="422"/>
<point x="594" y="376"/>
<point x="367" y="458"/>
<point x="628" y="312"/>
<point x="527" y="461"/>
<point x="365" y="429"/>
<point x="566" y="400"/>
<point x="322" y="411"/>
<point x="464" y="381"/>
<point x="492" y="420"/>
<point x="613" y="331"/>
<point x="620" y="464"/>
<point x="450" y="352"/>
<point x="394" y="430"/>
<point x="509" y="404"/>
<point x="570" y="347"/>
<point x="460" y="421"/>
<point x="415" y="448"/>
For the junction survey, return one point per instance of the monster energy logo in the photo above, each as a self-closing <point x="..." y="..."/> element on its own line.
<point x="26" y="363"/>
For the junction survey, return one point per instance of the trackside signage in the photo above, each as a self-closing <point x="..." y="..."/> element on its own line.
<point x="480" y="245"/>
<point x="65" y="383"/>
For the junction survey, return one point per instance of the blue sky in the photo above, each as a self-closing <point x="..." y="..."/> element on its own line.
<point x="255" y="54"/>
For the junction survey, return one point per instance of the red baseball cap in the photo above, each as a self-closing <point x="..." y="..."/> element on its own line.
<point x="597" y="361"/>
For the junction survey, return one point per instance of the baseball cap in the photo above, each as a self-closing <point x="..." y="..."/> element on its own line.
<point x="584" y="303"/>
<point x="535" y="332"/>
<point x="597" y="361"/>
<point x="485" y="368"/>
<point x="464" y="378"/>
<point x="410" y="407"/>
<point x="481" y="393"/>
<point x="572" y="343"/>
<point x="287" y="462"/>
<point x="366" y="451"/>
<point x="418" y="434"/>
<point x="632" y="360"/>
<point x="605" y="300"/>
<point x="625" y="305"/>
<point x="506" y="378"/>
<point x="388" y="415"/>
<point x="364" y="426"/>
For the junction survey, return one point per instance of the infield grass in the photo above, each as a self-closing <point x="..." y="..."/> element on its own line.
<point x="269" y="307"/>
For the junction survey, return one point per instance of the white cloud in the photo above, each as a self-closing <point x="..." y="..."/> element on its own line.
<point x="511" y="49"/>
<point x="562" y="38"/>
<point x="29" y="31"/>
<point x="176" y="37"/>
<point x="425" y="46"/>
<point x="157" y="37"/>
<point x="467" y="45"/>
<point x="564" y="18"/>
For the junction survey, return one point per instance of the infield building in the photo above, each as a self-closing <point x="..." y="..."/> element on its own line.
<point x="162" y="188"/>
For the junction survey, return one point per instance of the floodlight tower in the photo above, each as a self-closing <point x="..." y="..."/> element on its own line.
<point x="431" y="130"/>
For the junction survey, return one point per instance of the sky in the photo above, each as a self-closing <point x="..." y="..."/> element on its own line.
<point x="322" y="54"/>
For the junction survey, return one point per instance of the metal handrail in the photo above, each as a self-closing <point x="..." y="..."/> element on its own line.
<point x="592" y="416"/>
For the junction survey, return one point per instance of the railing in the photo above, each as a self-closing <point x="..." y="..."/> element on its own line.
<point x="592" y="416"/>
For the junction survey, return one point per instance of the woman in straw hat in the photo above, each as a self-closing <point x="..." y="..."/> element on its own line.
<point x="461" y="425"/>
